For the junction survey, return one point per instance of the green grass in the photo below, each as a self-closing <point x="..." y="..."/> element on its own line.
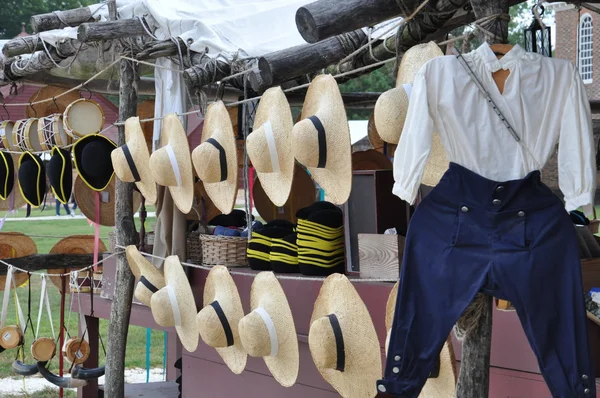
<point x="47" y="392"/>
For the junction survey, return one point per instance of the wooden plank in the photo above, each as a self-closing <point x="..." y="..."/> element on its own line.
<point x="57" y="19"/>
<point x="110" y="30"/>
<point x="380" y="255"/>
<point x="91" y="389"/>
<point x="37" y="262"/>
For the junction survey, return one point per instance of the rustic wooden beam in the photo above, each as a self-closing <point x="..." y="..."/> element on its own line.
<point x="120" y="311"/>
<point x="22" y="45"/>
<point x="37" y="262"/>
<point x="110" y="30"/>
<point x="57" y="19"/>
<point x="209" y="71"/>
<point x="164" y="48"/>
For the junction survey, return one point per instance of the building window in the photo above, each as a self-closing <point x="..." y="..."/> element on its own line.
<point x="585" y="60"/>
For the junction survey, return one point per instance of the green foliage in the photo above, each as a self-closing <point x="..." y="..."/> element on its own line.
<point x="14" y="12"/>
<point x="379" y="80"/>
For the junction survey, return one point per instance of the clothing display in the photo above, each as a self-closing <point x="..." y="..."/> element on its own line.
<point x="491" y="225"/>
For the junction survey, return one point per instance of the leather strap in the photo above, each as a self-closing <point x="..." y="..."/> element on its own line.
<point x="148" y="284"/>
<point x="339" y="342"/>
<point x="131" y="163"/>
<point x="322" y="141"/>
<point x="44" y="300"/>
<point x="222" y="157"/>
<point x="224" y="322"/>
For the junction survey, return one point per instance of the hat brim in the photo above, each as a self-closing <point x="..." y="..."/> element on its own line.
<point x="266" y="292"/>
<point x="363" y="359"/>
<point x="174" y="134"/>
<point x="7" y="176"/>
<point x="139" y="267"/>
<point x="97" y="183"/>
<point x="376" y="141"/>
<point x="15" y="245"/>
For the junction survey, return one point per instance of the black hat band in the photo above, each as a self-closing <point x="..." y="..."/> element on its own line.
<point x="148" y="284"/>
<point x="339" y="342"/>
<point x="222" y="157"/>
<point x="322" y="141"/>
<point x="131" y="163"/>
<point x="224" y="322"/>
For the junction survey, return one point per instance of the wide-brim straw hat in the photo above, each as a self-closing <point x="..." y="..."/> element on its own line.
<point x="375" y="140"/>
<point x="221" y="295"/>
<point x="442" y="386"/>
<point x="132" y="160"/>
<point x="362" y="357"/>
<point x="215" y="159"/>
<point x="149" y="278"/>
<point x="321" y="139"/>
<point x="15" y="245"/>
<point x="370" y="160"/>
<point x="303" y="193"/>
<point x="86" y="202"/>
<point x="75" y="244"/>
<point x="47" y="108"/>
<point x="171" y="165"/>
<point x="270" y="321"/>
<point x="176" y="300"/>
<point x="270" y="145"/>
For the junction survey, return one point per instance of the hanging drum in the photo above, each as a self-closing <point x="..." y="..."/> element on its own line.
<point x="6" y="134"/>
<point x="76" y="350"/>
<point x="51" y="132"/>
<point x="26" y="137"/>
<point x="83" y="117"/>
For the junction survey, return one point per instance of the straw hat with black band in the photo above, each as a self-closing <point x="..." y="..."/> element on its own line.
<point x="132" y="160"/>
<point x="218" y="321"/>
<point x="32" y="179"/>
<point x="150" y="279"/>
<point x="15" y="245"/>
<point x="174" y="304"/>
<point x="91" y="155"/>
<point x="268" y="331"/>
<point x="60" y="174"/>
<point x="7" y="175"/>
<point x="343" y="341"/>
<point x="441" y="382"/>
<point x="270" y="145"/>
<point x="321" y="140"/>
<point x="171" y="165"/>
<point x="215" y="159"/>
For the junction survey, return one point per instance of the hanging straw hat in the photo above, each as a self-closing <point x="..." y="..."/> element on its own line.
<point x="171" y="165"/>
<point x="15" y="245"/>
<point x="132" y="160"/>
<point x="49" y="107"/>
<point x="74" y="244"/>
<point x="91" y="155"/>
<point x="375" y="140"/>
<point x="7" y="175"/>
<point x="370" y="160"/>
<point x="218" y="320"/>
<point x="442" y="386"/>
<point x="215" y="158"/>
<point x="86" y="201"/>
<point x="204" y="207"/>
<point x="322" y="139"/>
<point x="145" y="110"/>
<point x="303" y="193"/>
<point x="150" y="279"/>
<point x="60" y="174"/>
<point x="268" y="331"/>
<point x="32" y="178"/>
<point x="270" y="145"/>
<point x="174" y="304"/>
<point x="341" y="318"/>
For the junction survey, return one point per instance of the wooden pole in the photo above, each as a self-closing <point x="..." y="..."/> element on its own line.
<point x="22" y="45"/>
<point x="110" y="30"/>
<point x="120" y="310"/>
<point x="57" y="19"/>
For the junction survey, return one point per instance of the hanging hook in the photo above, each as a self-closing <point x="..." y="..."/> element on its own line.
<point x="34" y="111"/>
<point x="220" y="91"/>
<point x="6" y="110"/>
<point x="88" y="90"/>
<point x="55" y="104"/>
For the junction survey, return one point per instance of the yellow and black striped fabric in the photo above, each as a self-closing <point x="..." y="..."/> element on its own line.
<point x="259" y="247"/>
<point x="284" y="254"/>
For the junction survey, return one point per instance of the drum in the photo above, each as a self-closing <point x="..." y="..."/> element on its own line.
<point x="76" y="350"/>
<point x="51" y="132"/>
<point x="43" y="349"/>
<point x="80" y="282"/>
<point x="11" y="336"/>
<point x="83" y="117"/>
<point x="6" y="134"/>
<point x="26" y="137"/>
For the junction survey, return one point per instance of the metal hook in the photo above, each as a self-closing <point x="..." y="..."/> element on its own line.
<point x="88" y="90"/>
<point x="34" y="111"/>
<point x="220" y="91"/>
<point x="6" y="110"/>
<point x="55" y="104"/>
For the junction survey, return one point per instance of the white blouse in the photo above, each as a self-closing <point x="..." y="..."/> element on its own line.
<point x="544" y="101"/>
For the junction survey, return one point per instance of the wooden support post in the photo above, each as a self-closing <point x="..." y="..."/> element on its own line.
<point x="210" y="71"/>
<point x="57" y="19"/>
<point x="22" y="45"/>
<point x="110" y="30"/>
<point x="93" y="331"/>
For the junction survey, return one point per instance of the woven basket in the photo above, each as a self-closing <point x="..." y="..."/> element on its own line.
<point x="194" y="247"/>
<point x="229" y="251"/>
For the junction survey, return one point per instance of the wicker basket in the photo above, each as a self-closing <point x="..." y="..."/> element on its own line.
<point x="229" y="251"/>
<point x="194" y="247"/>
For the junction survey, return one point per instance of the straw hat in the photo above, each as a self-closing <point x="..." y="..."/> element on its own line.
<point x="91" y="155"/>
<point x="218" y="320"/>
<point x="322" y="139"/>
<point x="32" y="178"/>
<point x="174" y="304"/>
<point x="15" y="245"/>
<point x="60" y="174"/>
<point x="370" y="160"/>
<point x="86" y="201"/>
<point x="375" y="140"/>
<point x="361" y="363"/>
<point x="7" y="175"/>
<point x="49" y="107"/>
<point x="202" y="204"/>
<point x="171" y="165"/>
<point x="74" y="244"/>
<point x="270" y="145"/>
<point x="215" y="159"/>
<point x="132" y="160"/>
<point x="268" y="331"/>
<point x="442" y="386"/>
<point x="149" y="278"/>
<point x="145" y="110"/>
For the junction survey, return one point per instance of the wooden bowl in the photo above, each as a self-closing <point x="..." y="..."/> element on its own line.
<point x="76" y="350"/>
<point x="11" y="336"/>
<point x="43" y="349"/>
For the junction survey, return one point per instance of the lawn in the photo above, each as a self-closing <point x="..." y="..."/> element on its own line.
<point x="46" y="234"/>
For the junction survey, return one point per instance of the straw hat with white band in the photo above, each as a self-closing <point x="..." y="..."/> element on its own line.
<point x="150" y="279"/>
<point x="171" y="165"/>
<point x="174" y="304"/>
<point x="215" y="159"/>
<point x="270" y="144"/>
<point x="269" y="331"/>
<point x="218" y="321"/>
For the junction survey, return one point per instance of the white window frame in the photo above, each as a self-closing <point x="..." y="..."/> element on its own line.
<point x="585" y="47"/>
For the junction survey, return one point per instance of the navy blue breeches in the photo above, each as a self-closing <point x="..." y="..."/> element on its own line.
<point x="513" y="240"/>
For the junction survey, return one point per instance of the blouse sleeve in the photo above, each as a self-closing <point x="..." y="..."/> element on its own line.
<point x="576" y="151"/>
<point x="415" y="142"/>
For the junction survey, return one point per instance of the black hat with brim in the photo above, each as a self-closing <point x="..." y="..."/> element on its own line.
<point x="32" y="178"/>
<point x="7" y="175"/>
<point x="60" y="174"/>
<point x="93" y="162"/>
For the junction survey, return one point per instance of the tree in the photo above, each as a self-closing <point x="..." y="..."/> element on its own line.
<point x="14" y="12"/>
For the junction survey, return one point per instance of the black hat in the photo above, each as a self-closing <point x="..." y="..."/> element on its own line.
<point x="259" y="247"/>
<point x="32" y="178"/>
<point x="60" y="174"/>
<point x="303" y="213"/>
<point x="321" y="243"/>
<point x="284" y="254"/>
<point x="93" y="162"/>
<point x="237" y="218"/>
<point x="7" y="175"/>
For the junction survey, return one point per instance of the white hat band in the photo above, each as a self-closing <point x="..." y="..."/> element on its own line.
<point x="407" y="88"/>
<point x="174" y="164"/>
<point x="271" y="328"/>
<point x="272" y="147"/>
<point x="174" y="305"/>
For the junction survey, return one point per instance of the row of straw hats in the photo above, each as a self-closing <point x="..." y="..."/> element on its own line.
<point x="342" y="338"/>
